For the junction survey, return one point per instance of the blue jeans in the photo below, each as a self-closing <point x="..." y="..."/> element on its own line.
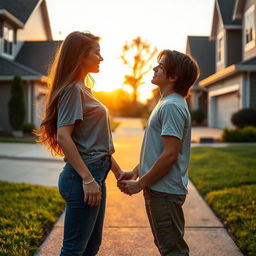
<point x="83" y="223"/>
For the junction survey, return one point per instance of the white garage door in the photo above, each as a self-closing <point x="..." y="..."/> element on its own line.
<point x="226" y="105"/>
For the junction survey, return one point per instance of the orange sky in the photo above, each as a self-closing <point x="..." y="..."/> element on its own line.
<point x="164" y="23"/>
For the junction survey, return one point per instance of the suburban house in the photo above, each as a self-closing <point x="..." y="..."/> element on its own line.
<point x="26" y="49"/>
<point x="206" y="62"/>
<point x="233" y="84"/>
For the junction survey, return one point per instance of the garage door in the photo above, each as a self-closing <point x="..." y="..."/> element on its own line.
<point x="226" y="105"/>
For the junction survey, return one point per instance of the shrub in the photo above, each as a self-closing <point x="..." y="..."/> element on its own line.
<point x="16" y="104"/>
<point x="247" y="134"/>
<point x="244" y="117"/>
<point x="197" y="116"/>
<point x="28" y="127"/>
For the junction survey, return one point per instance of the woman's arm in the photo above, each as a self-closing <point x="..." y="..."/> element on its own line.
<point x="115" y="168"/>
<point x="92" y="193"/>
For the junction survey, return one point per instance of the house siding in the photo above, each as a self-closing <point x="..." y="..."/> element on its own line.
<point x="34" y="28"/>
<point x="251" y="52"/>
<point x="220" y="65"/>
<point x="232" y="84"/>
<point x="252" y="95"/>
<point x="234" y="42"/>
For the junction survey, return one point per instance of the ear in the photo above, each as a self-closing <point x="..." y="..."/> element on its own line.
<point x="172" y="79"/>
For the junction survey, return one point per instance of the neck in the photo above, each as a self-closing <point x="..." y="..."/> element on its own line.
<point x="166" y="90"/>
<point x="81" y="78"/>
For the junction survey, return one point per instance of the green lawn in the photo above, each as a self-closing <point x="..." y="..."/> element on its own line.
<point x="226" y="177"/>
<point x="27" y="212"/>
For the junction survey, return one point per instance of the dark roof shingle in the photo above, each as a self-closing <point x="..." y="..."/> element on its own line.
<point x="37" y="55"/>
<point x="251" y="61"/>
<point x="12" y="68"/>
<point x="21" y="9"/>
<point x="226" y="9"/>
<point x="203" y="51"/>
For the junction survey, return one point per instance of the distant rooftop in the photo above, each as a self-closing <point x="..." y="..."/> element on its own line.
<point x="19" y="8"/>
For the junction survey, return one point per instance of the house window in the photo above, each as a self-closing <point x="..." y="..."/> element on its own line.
<point x="220" y="48"/>
<point x="8" y="40"/>
<point x="249" y="28"/>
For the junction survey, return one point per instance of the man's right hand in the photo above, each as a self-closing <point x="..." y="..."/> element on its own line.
<point x="133" y="175"/>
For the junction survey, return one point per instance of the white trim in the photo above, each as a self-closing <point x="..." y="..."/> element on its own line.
<point x="9" y="28"/>
<point x="8" y="15"/>
<point x="251" y="44"/>
<point x="233" y="27"/>
<point x="236" y="15"/>
<point x="245" y="91"/>
<point x="220" y="36"/>
<point x="221" y="91"/>
<point x="29" y="91"/>
<point x="10" y="57"/>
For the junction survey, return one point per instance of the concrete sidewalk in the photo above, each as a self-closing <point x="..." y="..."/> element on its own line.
<point x="126" y="229"/>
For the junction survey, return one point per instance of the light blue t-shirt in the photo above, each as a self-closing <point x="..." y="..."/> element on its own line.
<point x="92" y="134"/>
<point x="170" y="117"/>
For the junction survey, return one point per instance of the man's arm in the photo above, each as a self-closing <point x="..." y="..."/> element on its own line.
<point x="171" y="147"/>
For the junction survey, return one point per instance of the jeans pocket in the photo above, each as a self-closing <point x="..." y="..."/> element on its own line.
<point x="65" y="184"/>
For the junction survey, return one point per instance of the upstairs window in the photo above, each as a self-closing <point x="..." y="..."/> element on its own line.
<point x="8" y="40"/>
<point x="220" y="48"/>
<point x="249" y="28"/>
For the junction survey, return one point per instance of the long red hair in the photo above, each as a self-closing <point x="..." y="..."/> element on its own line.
<point x="66" y="68"/>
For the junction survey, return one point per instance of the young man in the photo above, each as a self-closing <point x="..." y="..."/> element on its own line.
<point x="165" y="154"/>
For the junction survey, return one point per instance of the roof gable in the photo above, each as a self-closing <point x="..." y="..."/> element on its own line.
<point x="223" y="12"/>
<point x="11" y="68"/>
<point x="19" y="8"/>
<point x="33" y="51"/>
<point x="203" y="51"/>
<point x="19" y="11"/>
<point x="226" y="8"/>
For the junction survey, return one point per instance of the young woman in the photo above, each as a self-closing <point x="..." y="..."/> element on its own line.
<point x="76" y="125"/>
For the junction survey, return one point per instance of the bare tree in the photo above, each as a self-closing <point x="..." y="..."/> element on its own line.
<point x="138" y="56"/>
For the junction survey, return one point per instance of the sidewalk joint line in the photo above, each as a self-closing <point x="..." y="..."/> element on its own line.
<point x="32" y="159"/>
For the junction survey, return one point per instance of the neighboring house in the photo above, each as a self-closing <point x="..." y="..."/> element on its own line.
<point x="233" y="86"/>
<point x="26" y="50"/>
<point x="203" y="51"/>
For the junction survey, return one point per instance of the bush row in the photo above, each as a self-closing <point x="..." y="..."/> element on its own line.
<point x="247" y="134"/>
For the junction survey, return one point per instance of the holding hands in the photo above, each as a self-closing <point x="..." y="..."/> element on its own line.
<point x="127" y="183"/>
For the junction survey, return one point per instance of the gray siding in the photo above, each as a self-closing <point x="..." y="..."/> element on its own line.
<point x="251" y="52"/>
<point x="234" y="51"/>
<point x="253" y="90"/>
<point x="4" y="98"/>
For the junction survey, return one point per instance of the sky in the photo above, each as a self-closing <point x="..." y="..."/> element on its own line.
<point x="163" y="23"/>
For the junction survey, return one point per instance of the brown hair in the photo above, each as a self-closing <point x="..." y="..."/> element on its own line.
<point x="181" y="66"/>
<point x="66" y="68"/>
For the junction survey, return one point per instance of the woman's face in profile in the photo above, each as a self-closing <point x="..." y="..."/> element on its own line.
<point x="91" y="63"/>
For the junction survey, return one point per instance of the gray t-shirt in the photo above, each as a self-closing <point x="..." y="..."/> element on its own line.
<point x="170" y="117"/>
<point x="92" y="133"/>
